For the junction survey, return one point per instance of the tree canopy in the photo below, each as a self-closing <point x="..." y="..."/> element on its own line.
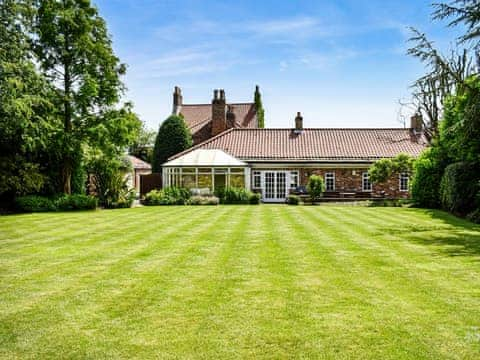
<point x="172" y="138"/>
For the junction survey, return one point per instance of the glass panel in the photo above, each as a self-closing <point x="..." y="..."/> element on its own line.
<point x="188" y="181"/>
<point x="220" y="171"/>
<point x="257" y="180"/>
<point x="293" y="179"/>
<point x="220" y="181"/>
<point x="329" y="181"/>
<point x="281" y="185"/>
<point x="188" y="170"/>
<point x="204" y="170"/>
<point x="269" y="185"/>
<point x="236" y="170"/>
<point x="237" y="180"/>
<point x="204" y="181"/>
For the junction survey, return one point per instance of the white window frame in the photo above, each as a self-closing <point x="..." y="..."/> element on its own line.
<point x="402" y="176"/>
<point x="294" y="174"/>
<point x="331" y="176"/>
<point x="256" y="175"/>
<point x="366" y="177"/>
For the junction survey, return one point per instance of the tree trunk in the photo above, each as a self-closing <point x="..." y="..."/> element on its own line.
<point x="67" y="161"/>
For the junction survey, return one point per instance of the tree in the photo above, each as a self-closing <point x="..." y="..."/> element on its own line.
<point x="172" y="138"/>
<point x="259" y="108"/>
<point x="383" y="169"/>
<point x="465" y="12"/>
<point x="315" y="187"/>
<point x="142" y="147"/>
<point x="26" y="123"/>
<point x="75" y="53"/>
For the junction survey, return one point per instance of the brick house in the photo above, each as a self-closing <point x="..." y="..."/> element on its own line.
<point x="207" y="120"/>
<point x="275" y="162"/>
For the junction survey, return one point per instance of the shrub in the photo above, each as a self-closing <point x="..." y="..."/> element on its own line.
<point x="425" y="184"/>
<point x="203" y="200"/>
<point x="167" y="196"/>
<point x="254" y="199"/>
<point x="34" y="203"/>
<point x="293" y="199"/>
<point x="124" y="200"/>
<point x="233" y="195"/>
<point x="76" y="202"/>
<point x="315" y="187"/>
<point x="459" y="188"/>
<point x="474" y="216"/>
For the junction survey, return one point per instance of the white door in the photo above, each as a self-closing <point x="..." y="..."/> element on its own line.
<point x="274" y="186"/>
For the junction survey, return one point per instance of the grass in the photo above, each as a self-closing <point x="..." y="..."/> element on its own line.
<point x="240" y="282"/>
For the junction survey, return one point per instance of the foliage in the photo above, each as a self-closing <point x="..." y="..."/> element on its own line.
<point x="142" y="147"/>
<point x="293" y="199"/>
<point x="459" y="188"/>
<point x="172" y="138"/>
<point x="259" y="108"/>
<point x="466" y="12"/>
<point x="474" y="216"/>
<point x="167" y="196"/>
<point x="315" y="187"/>
<point x="74" y="51"/>
<point x="425" y="184"/>
<point x="383" y="169"/>
<point x="26" y="111"/>
<point x="34" y="203"/>
<point x="109" y="180"/>
<point x="254" y="199"/>
<point x="76" y="202"/>
<point x="234" y="195"/>
<point x="203" y="200"/>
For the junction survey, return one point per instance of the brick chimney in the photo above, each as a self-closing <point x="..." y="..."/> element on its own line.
<point x="177" y="100"/>
<point x="230" y="117"/>
<point x="298" y="123"/>
<point x="416" y="123"/>
<point x="219" y="112"/>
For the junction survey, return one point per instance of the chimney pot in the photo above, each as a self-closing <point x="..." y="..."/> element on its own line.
<point x="416" y="123"/>
<point x="298" y="123"/>
<point x="177" y="100"/>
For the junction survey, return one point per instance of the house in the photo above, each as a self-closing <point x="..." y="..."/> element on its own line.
<point x="275" y="162"/>
<point x="208" y="120"/>
<point x="139" y="167"/>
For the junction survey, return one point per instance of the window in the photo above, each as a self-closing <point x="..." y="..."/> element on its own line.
<point x="366" y="184"/>
<point x="257" y="180"/>
<point x="293" y="179"/>
<point x="404" y="182"/>
<point x="330" y="181"/>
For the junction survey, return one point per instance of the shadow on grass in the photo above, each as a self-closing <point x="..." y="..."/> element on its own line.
<point x="453" y="236"/>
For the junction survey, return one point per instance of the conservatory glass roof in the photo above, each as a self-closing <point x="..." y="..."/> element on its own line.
<point x="205" y="157"/>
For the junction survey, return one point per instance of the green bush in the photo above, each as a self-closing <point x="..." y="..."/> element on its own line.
<point x="459" y="188"/>
<point x="425" y="184"/>
<point x="203" y="200"/>
<point x="293" y="199"/>
<point x="76" y="202"/>
<point x="167" y="196"/>
<point x="254" y="199"/>
<point x="315" y="187"/>
<point x="34" y="203"/>
<point x="124" y="199"/>
<point x="474" y="216"/>
<point x="233" y="195"/>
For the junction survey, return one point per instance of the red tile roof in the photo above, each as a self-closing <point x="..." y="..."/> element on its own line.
<point x="199" y="116"/>
<point x="315" y="144"/>
<point x="139" y="163"/>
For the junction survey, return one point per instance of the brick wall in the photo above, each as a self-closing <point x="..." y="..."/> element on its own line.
<point x="350" y="180"/>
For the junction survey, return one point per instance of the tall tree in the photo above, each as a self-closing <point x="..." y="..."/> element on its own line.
<point x="26" y="120"/>
<point x="172" y="138"/>
<point x="75" y="52"/>
<point x="259" y="108"/>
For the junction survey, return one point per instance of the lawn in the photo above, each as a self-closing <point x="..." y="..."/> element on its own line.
<point x="240" y="282"/>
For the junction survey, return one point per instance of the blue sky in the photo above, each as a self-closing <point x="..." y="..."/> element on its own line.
<point x="341" y="63"/>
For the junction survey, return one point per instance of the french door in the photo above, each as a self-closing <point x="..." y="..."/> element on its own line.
<point x="274" y="186"/>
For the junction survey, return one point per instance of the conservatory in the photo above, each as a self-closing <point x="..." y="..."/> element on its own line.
<point x="206" y="168"/>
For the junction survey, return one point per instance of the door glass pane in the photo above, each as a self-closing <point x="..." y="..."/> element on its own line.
<point x="220" y="181"/>
<point x="281" y="185"/>
<point x="269" y="185"/>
